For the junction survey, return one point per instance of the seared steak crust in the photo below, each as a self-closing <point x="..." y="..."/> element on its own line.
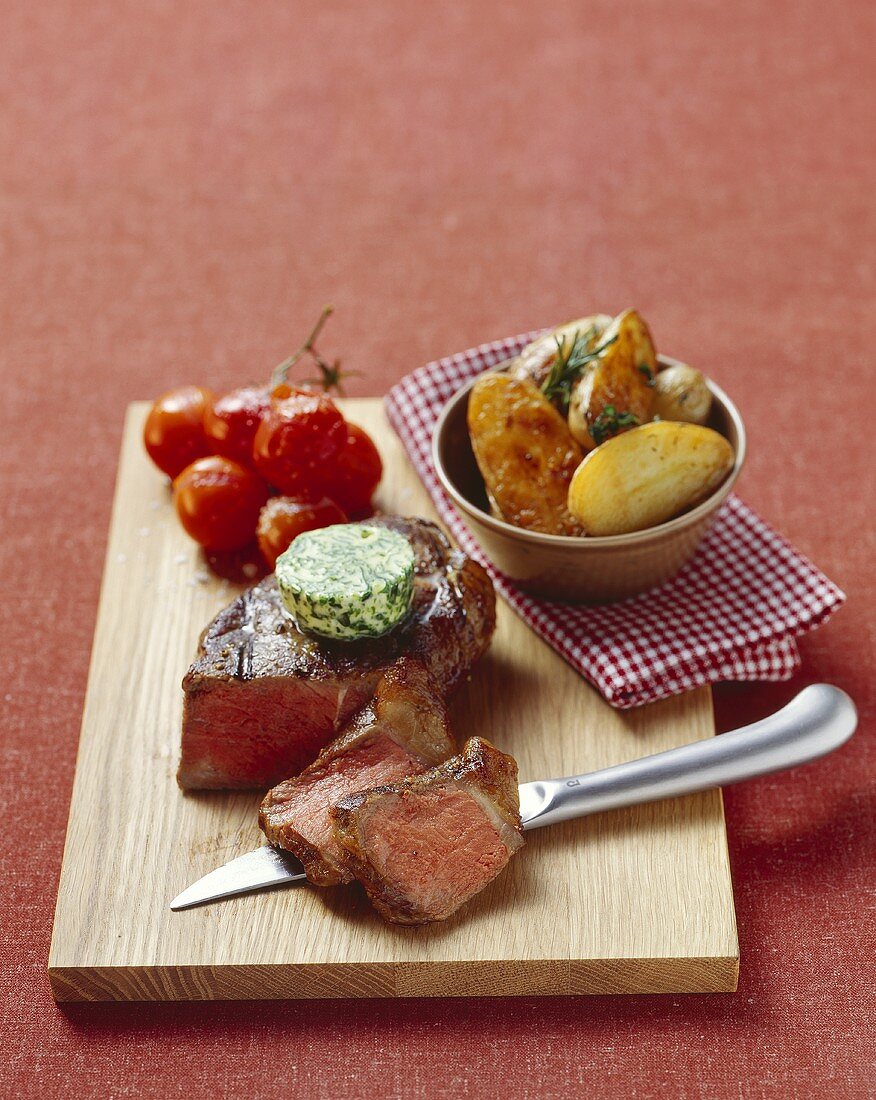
<point x="404" y="730"/>
<point x="423" y="846"/>
<point x="262" y="699"/>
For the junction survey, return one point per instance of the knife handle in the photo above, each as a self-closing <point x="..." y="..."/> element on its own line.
<point x="814" y="723"/>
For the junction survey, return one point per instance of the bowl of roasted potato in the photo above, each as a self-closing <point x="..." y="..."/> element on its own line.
<point x="589" y="467"/>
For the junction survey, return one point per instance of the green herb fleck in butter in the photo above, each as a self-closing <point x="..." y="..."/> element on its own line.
<point x="348" y="581"/>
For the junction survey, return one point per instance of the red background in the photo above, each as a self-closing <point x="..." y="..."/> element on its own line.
<point x="185" y="185"/>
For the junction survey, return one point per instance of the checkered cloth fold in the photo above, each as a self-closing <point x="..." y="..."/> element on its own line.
<point x="733" y="613"/>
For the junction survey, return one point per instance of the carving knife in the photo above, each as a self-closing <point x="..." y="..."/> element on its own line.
<point x="817" y="721"/>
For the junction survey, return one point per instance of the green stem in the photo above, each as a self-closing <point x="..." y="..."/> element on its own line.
<point x="281" y="371"/>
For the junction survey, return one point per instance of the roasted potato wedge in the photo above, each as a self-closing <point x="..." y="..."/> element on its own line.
<point x="646" y="476"/>
<point x="534" y="362"/>
<point x="615" y="393"/>
<point x="681" y="393"/>
<point x="525" y="452"/>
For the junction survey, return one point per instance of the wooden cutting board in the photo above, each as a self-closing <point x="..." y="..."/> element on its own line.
<point x="637" y="900"/>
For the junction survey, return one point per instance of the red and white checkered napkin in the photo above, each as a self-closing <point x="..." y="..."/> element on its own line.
<point x="733" y="613"/>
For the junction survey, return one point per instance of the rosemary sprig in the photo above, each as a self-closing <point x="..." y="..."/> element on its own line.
<point x="610" y="422"/>
<point x="566" y="369"/>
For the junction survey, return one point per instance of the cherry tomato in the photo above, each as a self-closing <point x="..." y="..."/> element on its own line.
<point x="357" y="472"/>
<point x="297" y="443"/>
<point x="282" y="519"/>
<point x="231" y="422"/>
<point x="218" y="502"/>
<point x="174" y="431"/>
<point x="283" y="389"/>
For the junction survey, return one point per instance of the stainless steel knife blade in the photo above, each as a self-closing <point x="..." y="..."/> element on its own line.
<point x="264" y="867"/>
<point x="818" y="720"/>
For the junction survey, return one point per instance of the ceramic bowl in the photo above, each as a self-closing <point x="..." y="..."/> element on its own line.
<point x="578" y="569"/>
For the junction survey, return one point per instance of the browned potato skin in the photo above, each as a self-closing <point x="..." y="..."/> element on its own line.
<point x="616" y="378"/>
<point x="536" y="359"/>
<point x="525" y="452"/>
<point x="635" y="335"/>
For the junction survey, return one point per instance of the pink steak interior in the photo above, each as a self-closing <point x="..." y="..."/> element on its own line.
<point x="433" y="847"/>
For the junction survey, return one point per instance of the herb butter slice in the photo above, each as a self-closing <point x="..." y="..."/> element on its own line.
<point x="347" y="581"/>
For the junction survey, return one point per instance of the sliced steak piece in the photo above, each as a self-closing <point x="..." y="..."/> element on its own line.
<point x="404" y="730"/>
<point x="262" y="699"/>
<point x="424" y="846"/>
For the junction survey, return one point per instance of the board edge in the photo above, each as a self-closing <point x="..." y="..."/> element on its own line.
<point x="494" y="979"/>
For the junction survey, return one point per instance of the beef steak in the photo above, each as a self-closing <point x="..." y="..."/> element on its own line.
<point x="404" y="730"/>
<point x="262" y="699"/>
<point x="423" y="846"/>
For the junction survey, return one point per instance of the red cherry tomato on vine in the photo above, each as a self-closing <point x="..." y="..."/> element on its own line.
<point x="297" y="443"/>
<point x="357" y="472"/>
<point x="283" y="389"/>
<point x="174" y="430"/>
<point x="218" y="502"/>
<point x="283" y="519"/>
<point x="231" y="422"/>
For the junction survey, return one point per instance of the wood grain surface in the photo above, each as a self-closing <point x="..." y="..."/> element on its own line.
<point x="632" y="901"/>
